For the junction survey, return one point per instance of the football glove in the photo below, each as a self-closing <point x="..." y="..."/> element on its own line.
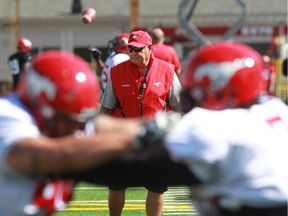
<point x="96" y="53"/>
<point x="154" y="131"/>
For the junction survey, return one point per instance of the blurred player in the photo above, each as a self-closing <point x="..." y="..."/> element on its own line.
<point x="117" y="53"/>
<point x="269" y="75"/>
<point x="164" y="51"/>
<point x="46" y="128"/>
<point x="230" y="146"/>
<point x="17" y="61"/>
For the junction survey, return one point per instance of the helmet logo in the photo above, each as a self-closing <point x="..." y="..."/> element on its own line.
<point x="220" y="74"/>
<point x="38" y="84"/>
<point x="81" y="77"/>
<point x="157" y="84"/>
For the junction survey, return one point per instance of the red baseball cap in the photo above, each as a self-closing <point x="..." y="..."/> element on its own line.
<point x="139" y="39"/>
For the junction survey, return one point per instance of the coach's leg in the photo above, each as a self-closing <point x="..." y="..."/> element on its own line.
<point x="155" y="199"/>
<point x="116" y="202"/>
<point x="154" y="203"/>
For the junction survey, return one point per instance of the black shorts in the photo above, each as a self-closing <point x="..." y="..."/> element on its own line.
<point x="155" y="189"/>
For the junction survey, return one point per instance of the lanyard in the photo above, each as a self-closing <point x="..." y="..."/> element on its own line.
<point x="141" y="93"/>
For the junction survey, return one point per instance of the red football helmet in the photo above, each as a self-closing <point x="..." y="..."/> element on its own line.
<point x="119" y="43"/>
<point x="24" y="44"/>
<point x="222" y="75"/>
<point x="60" y="85"/>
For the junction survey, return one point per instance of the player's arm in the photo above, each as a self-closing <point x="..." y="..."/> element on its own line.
<point x="100" y="64"/>
<point x="272" y="81"/>
<point x="72" y="153"/>
<point x="138" y="169"/>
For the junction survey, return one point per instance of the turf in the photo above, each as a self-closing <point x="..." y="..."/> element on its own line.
<point x="91" y="200"/>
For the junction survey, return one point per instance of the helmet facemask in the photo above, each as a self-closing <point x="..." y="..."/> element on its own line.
<point x="55" y="123"/>
<point x="118" y="44"/>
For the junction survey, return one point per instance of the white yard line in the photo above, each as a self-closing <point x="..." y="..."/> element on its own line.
<point x="175" y="197"/>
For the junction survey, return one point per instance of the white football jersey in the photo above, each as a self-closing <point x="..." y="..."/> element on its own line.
<point x="112" y="60"/>
<point x="16" y="123"/>
<point x="17" y="192"/>
<point x="240" y="155"/>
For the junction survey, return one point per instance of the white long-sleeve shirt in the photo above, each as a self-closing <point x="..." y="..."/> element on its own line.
<point x="16" y="123"/>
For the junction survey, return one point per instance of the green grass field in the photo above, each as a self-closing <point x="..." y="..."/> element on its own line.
<point x="91" y="200"/>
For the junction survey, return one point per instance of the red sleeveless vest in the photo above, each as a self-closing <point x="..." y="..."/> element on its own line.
<point x="127" y="81"/>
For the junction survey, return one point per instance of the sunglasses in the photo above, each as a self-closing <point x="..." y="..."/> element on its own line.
<point x="135" y="49"/>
